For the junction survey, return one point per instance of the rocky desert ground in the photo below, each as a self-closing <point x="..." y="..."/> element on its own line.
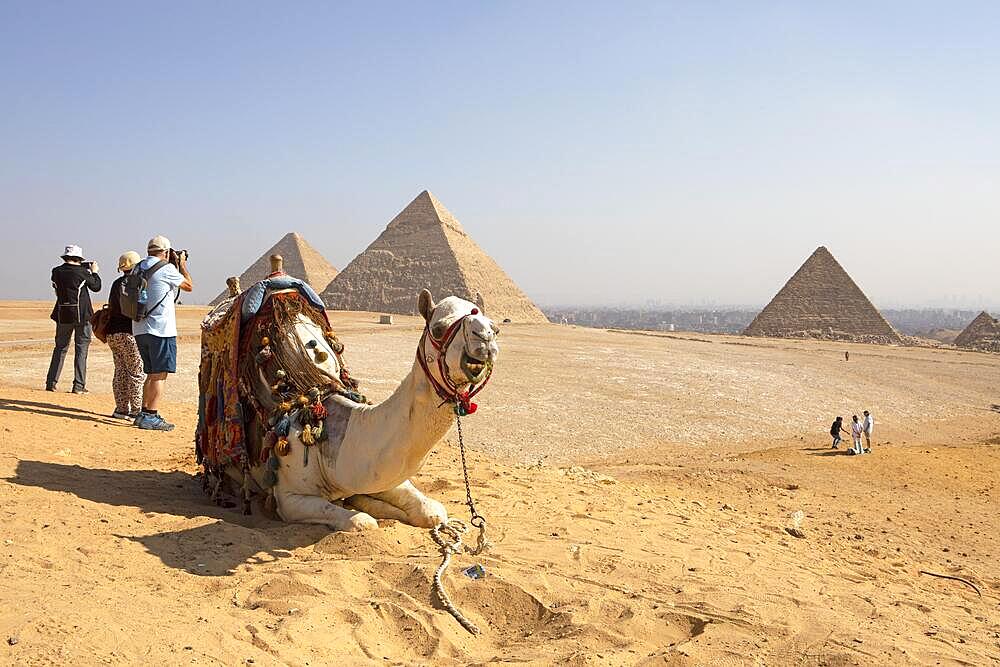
<point x="638" y="489"/>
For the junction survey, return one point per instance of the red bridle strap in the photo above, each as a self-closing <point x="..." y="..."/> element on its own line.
<point x="446" y="389"/>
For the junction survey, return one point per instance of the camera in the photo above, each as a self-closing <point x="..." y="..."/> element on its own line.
<point x="176" y="256"/>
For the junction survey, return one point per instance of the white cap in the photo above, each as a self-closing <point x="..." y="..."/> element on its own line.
<point x="73" y="251"/>
<point x="158" y="243"/>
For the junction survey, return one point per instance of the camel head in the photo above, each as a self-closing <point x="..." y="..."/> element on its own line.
<point x="461" y="332"/>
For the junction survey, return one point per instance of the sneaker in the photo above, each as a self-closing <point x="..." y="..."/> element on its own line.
<point x="50" y="387"/>
<point x="137" y="418"/>
<point x="79" y="390"/>
<point x="154" y="423"/>
<point x="122" y="415"/>
<point x="868" y="451"/>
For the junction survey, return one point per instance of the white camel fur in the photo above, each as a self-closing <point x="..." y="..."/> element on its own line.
<point x="367" y="477"/>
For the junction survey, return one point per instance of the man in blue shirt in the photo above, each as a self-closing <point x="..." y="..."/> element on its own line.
<point x="156" y="334"/>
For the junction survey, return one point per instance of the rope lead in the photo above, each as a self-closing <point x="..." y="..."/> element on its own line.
<point x="449" y="537"/>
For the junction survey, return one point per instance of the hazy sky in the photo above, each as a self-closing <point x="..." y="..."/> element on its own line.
<point x="600" y="152"/>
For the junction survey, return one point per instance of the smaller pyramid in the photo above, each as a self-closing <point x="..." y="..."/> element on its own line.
<point x="822" y="301"/>
<point x="983" y="333"/>
<point x="424" y="246"/>
<point x="301" y="261"/>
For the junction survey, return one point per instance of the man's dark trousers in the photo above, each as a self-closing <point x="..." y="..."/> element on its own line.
<point x="81" y="336"/>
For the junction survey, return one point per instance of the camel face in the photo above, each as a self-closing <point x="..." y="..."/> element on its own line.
<point x="472" y="351"/>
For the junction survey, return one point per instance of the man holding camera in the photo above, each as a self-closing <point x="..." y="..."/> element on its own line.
<point x="156" y="333"/>
<point x="72" y="314"/>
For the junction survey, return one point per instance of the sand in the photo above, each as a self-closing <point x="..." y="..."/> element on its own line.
<point x="638" y="488"/>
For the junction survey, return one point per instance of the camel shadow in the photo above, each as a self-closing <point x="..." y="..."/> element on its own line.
<point x="52" y="410"/>
<point x="209" y="549"/>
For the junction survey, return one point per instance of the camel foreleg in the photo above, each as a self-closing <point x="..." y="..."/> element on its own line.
<point x="403" y="503"/>
<point x="301" y="508"/>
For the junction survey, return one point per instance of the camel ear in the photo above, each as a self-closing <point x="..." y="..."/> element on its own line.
<point x="480" y="303"/>
<point x="425" y="304"/>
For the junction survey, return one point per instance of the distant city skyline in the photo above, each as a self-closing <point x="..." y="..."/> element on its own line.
<point x="603" y="154"/>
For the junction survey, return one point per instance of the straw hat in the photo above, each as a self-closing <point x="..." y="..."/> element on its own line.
<point x="128" y="260"/>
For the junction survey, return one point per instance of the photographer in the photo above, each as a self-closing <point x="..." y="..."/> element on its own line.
<point x="156" y="333"/>
<point x="72" y="314"/>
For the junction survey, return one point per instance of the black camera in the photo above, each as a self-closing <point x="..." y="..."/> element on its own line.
<point x="177" y="255"/>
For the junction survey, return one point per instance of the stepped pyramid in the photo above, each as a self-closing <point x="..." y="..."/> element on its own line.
<point x="302" y="261"/>
<point x="425" y="246"/>
<point x="983" y="333"/>
<point x="821" y="301"/>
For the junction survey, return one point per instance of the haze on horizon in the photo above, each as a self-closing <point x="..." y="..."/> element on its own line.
<point x="601" y="153"/>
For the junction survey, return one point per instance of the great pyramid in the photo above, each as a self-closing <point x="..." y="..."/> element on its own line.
<point x="983" y="333"/>
<point x="821" y="301"/>
<point x="301" y="261"/>
<point x="425" y="246"/>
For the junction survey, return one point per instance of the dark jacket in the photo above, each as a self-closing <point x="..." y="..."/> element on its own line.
<point x="118" y="323"/>
<point x="72" y="300"/>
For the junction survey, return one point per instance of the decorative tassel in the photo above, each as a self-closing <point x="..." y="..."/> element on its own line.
<point x="319" y="432"/>
<point x="319" y="412"/>
<point x="282" y="448"/>
<point x="282" y="426"/>
<point x="307" y="436"/>
<point x="246" y="490"/>
<point x="321" y="356"/>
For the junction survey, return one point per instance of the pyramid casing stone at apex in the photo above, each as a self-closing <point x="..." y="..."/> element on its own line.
<point x="822" y="301"/>
<point x="424" y="246"/>
<point x="299" y="260"/>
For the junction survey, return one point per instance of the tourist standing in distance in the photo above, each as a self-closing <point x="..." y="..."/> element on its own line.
<point x="129" y="378"/>
<point x="868" y="426"/>
<point x="156" y="333"/>
<point x="72" y="281"/>
<point x="856" y="431"/>
<point x="836" y="429"/>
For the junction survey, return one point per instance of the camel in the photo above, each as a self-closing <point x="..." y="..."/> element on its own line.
<point x="362" y="472"/>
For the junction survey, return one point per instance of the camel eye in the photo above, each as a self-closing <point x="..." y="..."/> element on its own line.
<point x="438" y="330"/>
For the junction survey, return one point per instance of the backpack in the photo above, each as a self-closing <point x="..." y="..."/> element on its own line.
<point x="99" y="323"/>
<point x="132" y="298"/>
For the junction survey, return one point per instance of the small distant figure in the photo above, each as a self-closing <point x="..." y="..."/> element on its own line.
<point x="836" y="428"/>
<point x="868" y="426"/>
<point x="856" y="431"/>
<point x="72" y="281"/>
<point x="847" y="355"/>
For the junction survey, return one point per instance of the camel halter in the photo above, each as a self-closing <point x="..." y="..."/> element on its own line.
<point x="446" y="388"/>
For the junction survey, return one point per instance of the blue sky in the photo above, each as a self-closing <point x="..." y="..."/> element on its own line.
<point x="686" y="152"/>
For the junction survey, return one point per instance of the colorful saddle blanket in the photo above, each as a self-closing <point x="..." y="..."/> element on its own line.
<point x="231" y="419"/>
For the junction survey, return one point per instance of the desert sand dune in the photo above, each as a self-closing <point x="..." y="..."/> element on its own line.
<point x="638" y="488"/>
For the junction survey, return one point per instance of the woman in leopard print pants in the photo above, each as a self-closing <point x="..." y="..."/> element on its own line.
<point x="127" y="383"/>
<point x="129" y="377"/>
